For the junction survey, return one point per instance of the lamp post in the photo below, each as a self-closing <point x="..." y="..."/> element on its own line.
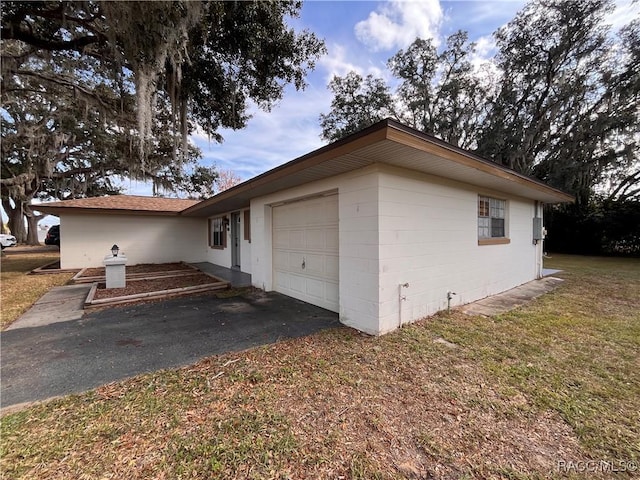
<point x="115" y="270"/>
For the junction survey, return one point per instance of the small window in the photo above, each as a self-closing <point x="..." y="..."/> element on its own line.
<point x="491" y="217"/>
<point x="247" y="226"/>
<point x="217" y="233"/>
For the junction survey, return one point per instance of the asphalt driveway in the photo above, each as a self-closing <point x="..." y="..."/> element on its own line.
<point x="113" y="344"/>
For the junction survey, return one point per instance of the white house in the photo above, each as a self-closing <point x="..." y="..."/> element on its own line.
<point x="381" y="227"/>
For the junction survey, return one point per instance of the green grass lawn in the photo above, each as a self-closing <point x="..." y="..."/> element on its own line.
<point x="555" y="381"/>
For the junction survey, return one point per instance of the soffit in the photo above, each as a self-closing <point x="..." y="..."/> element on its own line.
<point x="390" y="146"/>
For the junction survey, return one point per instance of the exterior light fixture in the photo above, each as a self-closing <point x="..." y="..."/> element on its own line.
<point x="115" y="249"/>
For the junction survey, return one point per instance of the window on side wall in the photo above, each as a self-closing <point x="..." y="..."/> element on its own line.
<point x="217" y="233"/>
<point x="491" y="220"/>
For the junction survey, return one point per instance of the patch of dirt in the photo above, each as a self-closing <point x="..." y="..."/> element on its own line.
<point x="146" y="286"/>
<point x="141" y="268"/>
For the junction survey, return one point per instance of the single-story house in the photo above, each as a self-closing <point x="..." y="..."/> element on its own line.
<point x="383" y="227"/>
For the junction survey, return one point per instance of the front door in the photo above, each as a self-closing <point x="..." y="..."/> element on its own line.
<point x="235" y="241"/>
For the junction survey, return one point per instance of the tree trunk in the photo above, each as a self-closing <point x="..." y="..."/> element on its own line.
<point x="32" y="225"/>
<point x="16" y="219"/>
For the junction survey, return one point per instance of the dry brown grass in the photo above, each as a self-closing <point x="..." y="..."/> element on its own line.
<point x="554" y="381"/>
<point x="18" y="290"/>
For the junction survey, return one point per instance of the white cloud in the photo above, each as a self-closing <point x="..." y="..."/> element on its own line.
<point x="625" y="11"/>
<point x="493" y="13"/>
<point x="337" y="63"/>
<point x="290" y="130"/>
<point x="397" y="23"/>
<point x="485" y="50"/>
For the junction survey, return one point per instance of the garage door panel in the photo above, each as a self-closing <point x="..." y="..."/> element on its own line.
<point x="296" y="215"/>
<point x="295" y="261"/>
<point x="315" y="240"/>
<point x="280" y="260"/>
<point x="280" y="238"/>
<point x="314" y="265"/>
<point x="315" y="288"/>
<point x="331" y="293"/>
<point x="315" y="213"/>
<point x="306" y="233"/>
<point x="296" y="239"/>
<point x="297" y="283"/>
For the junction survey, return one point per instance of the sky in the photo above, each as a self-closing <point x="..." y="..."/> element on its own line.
<point x="360" y="36"/>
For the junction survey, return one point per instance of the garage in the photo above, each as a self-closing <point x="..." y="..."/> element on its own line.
<point x="305" y="250"/>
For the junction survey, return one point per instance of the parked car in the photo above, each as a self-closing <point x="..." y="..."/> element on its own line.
<point x="53" y="236"/>
<point x="7" y="240"/>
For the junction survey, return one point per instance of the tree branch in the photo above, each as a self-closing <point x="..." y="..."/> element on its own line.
<point x="60" y="80"/>
<point x="71" y="173"/>
<point x="76" y="44"/>
<point x="21" y="179"/>
<point x="626" y="183"/>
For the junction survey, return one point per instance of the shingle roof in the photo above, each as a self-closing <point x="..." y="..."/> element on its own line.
<point x="121" y="204"/>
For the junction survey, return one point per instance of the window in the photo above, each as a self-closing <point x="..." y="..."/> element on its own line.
<point x="491" y="218"/>
<point x="247" y="226"/>
<point x="217" y="233"/>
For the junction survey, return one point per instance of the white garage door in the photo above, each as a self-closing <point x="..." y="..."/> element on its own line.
<point x="305" y="251"/>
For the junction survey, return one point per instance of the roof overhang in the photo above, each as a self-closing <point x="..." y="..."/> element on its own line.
<point x="387" y="142"/>
<point x="57" y="211"/>
<point x="118" y="205"/>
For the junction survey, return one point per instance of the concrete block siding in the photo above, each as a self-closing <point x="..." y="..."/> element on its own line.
<point x="87" y="238"/>
<point x="428" y="238"/>
<point x="398" y="226"/>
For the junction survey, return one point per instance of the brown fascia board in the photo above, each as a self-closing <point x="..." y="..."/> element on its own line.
<point x="372" y="134"/>
<point x="477" y="162"/>
<point x="387" y="129"/>
<point x="57" y="211"/>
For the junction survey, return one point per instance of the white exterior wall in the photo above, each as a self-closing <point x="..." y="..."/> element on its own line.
<point x="428" y="238"/>
<point x="358" y="242"/>
<point x="222" y="256"/>
<point x="87" y="238"/>
<point x="398" y="226"/>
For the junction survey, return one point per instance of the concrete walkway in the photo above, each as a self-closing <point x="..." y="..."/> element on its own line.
<point x="60" y="304"/>
<point x="516" y="297"/>
<point x="547" y="272"/>
<point x="237" y="278"/>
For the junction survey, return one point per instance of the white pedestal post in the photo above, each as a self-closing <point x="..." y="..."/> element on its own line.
<point x="115" y="271"/>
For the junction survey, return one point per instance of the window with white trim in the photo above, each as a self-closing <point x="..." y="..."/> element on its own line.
<point x="217" y="233"/>
<point x="491" y="217"/>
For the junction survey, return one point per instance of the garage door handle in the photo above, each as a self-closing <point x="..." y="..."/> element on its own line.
<point x="303" y="263"/>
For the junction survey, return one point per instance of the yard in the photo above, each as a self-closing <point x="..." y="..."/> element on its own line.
<point x="549" y="390"/>
<point x="20" y="290"/>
